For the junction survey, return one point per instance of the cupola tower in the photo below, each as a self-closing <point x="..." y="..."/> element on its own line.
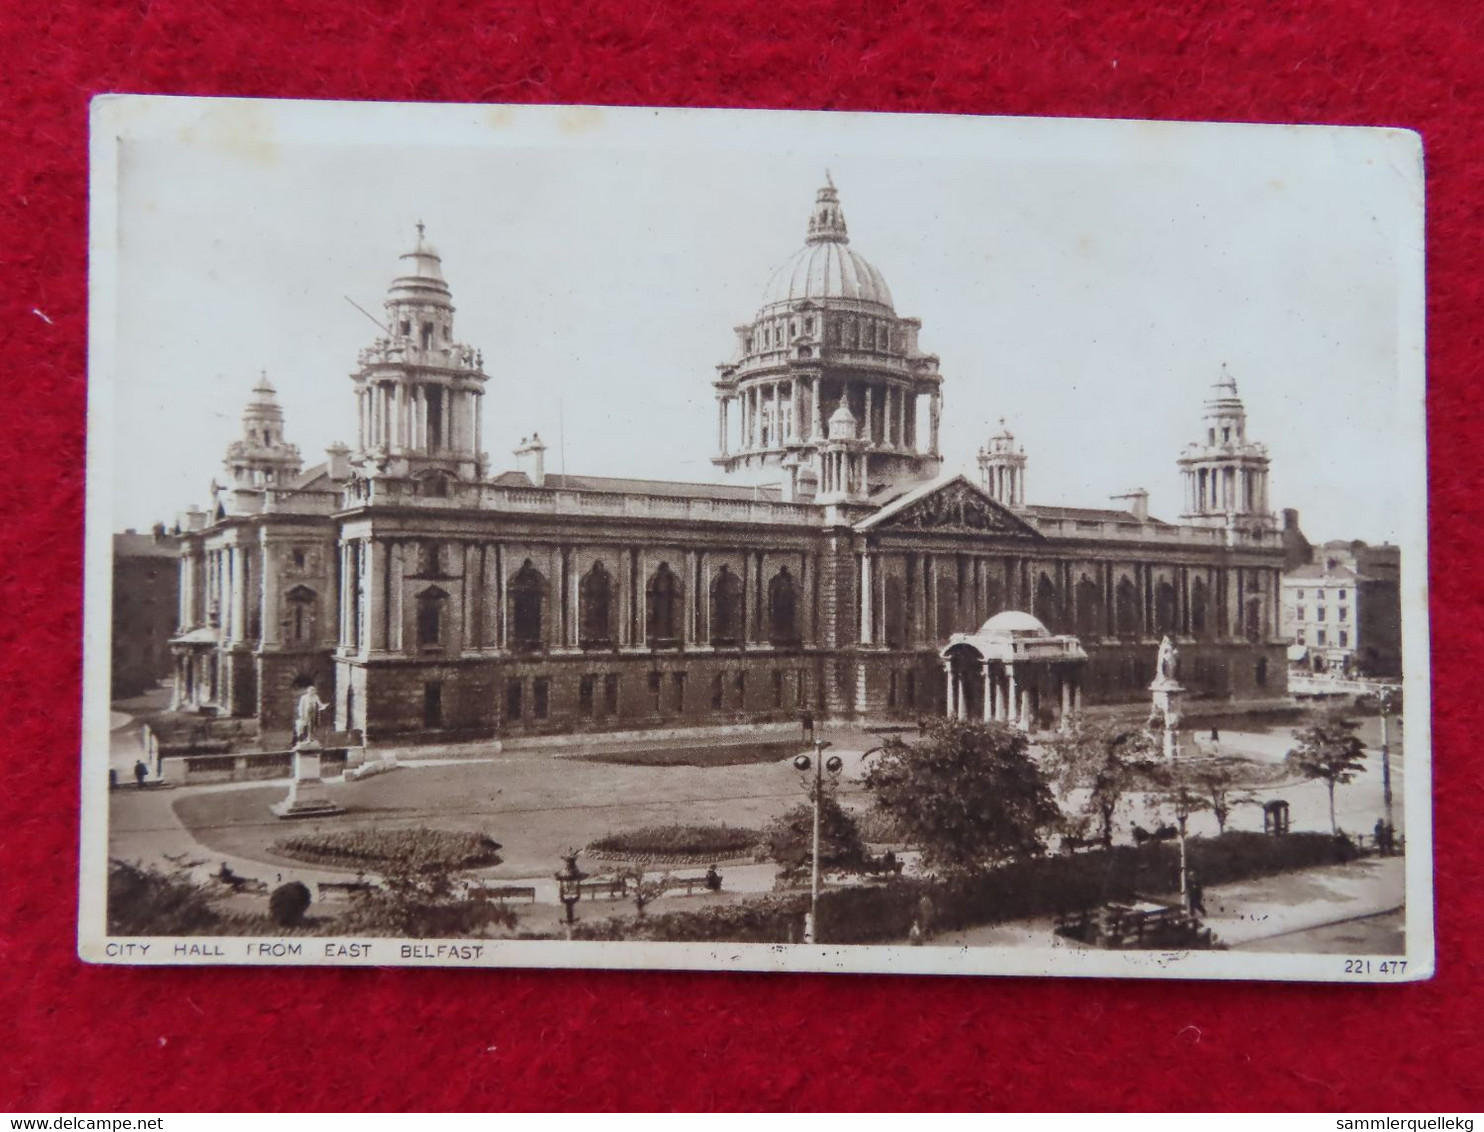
<point x="260" y="458"/>
<point x="1002" y="468"/>
<point x="418" y="389"/>
<point x="1225" y="473"/>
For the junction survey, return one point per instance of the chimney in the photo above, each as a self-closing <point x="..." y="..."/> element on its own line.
<point x="530" y="458"/>
<point x="1138" y="503"/>
<point x="337" y="462"/>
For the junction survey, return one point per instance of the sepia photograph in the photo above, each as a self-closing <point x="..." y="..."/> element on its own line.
<point x="758" y="540"/>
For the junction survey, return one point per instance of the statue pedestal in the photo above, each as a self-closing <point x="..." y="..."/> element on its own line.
<point x="1166" y="694"/>
<point x="307" y="796"/>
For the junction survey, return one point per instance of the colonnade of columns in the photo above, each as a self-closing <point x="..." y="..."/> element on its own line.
<point x="401" y="417"/>
<point x="1221" y="487"/>
<point x="1011" y="693"/>
<point x="770" y="415"/>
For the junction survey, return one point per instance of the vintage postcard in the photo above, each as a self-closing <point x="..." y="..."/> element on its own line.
<point x="572" y="536"/>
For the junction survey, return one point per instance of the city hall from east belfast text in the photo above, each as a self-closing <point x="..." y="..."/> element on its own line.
<point x="839" y="574"/>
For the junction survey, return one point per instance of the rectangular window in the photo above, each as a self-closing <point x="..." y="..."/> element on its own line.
<point x="1319" y="637"/>
<point x="1319" y="614"/>
<point x="433" y="704"/>
<point x="1342" y="595"/>
<point x="911" y="688"/>
<point x="1300" y="595"/>
<point x="1340" y="613"/>
<point x="587" y="700"/>
<point x="1344" y="639"/>
<point x="610" y="693"/>
<point x="718" y="692"/>
<point x="1300" y="613"/>
<point x="656" y="686"/>
<point x="513" y="695"/>
<point x="801" y="689"/>
<point x="742" y="690"/>
<point x="677" y="681"/>
<point x="540" y="697"/>
<point x="777" y="687"/>
<point x="891" y="692"/>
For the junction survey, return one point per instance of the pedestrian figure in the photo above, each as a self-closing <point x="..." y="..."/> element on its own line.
<point x="141" y="772"/>
<point x="889" y="862"/>
<point x="713" y="878"/>
<point x="914" y="934"/>
<point x="1195" y="894"/>
<point x="1380" y="834"/>
<point x="1215" y="735"/>
<point x="926" y="914"/>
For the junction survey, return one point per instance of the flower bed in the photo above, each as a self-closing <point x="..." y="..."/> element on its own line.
<point x="677" y="844"/>
<point x="418" y="850"/>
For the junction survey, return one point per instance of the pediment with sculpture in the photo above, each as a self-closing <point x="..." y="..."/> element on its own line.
<point x="957" y="508"/>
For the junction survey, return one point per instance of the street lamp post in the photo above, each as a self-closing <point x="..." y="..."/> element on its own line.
<point x="1386" y="702"/>
<point x="569" y="886"/>
<point x="819" y="764"/>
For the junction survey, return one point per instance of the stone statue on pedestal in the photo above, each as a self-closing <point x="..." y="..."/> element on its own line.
<point x="307" y="717"/>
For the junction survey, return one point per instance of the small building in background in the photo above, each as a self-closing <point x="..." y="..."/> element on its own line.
<point x="146" y="585"/>
<point x="1342" y="610"/>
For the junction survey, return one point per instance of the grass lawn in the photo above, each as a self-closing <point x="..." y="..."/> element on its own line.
<point x="726" y="754"/>
<point x="535" y="806"/>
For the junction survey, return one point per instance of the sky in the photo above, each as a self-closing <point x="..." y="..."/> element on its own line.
<point x="1085" y="281"/>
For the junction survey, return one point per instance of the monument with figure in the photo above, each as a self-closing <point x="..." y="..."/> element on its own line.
<point x="1166" y="692"/>
<point x="307" y="795"/>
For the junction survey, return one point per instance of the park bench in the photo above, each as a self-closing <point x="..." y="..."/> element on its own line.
<point x="241" y="884"/>
<point x="887" y="865"/>
<point x="691" y="883"/>
<point x="344" y="889"/>
<point x="501" y="892"/>
<point x="614" y="888"/>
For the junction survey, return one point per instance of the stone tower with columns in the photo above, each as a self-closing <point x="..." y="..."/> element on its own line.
<point x="827" y="335"/>
<point x="418" y="389"/>
<point x="1002" y="468"/>
<point x="1225" y="474"/>
<point x="260" y="458"/>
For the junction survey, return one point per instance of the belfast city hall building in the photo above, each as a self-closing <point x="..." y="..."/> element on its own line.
<point x="432" y="597"/>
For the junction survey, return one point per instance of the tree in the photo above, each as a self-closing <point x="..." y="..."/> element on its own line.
<point x="1102" y="760"/>
<point x="1223" y="780"/>
<point x="967" y="794"/>
<point x="645" y="890"/>
<point x="1329" y="750"/>
<point x="790" y="838"/>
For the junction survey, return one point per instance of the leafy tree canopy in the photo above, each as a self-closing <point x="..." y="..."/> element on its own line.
<point x="966" y="794"/>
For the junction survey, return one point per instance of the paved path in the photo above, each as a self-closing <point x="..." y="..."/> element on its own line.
<point x="1246" y="912"/>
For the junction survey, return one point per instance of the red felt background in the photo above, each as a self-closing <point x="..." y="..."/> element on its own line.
<point x="83" y="1037"/>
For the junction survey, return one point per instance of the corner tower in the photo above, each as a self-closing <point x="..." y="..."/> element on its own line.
<point x="1002" y="468"/>
<point x="418" y="390"/>
<point x="827" y="335"/>
<point x="260" y="458"/>
<point x="1226" y="474"/>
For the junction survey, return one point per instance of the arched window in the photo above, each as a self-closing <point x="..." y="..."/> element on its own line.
<point x="1198" y="603"/>
<point x="595" y="600"/>
<point x="303" y="611"/>
<point x="662" y="602"/>
<point x="1089" y="609"/>
<point x="1045" y="603"/>
<point x="1253" y="620"/>
<point x="429" y="559"/>
<point x="894" y="613"/>
<point x="527" y="602"/>
<point x="1126" y="608"/>
<point x="783" y="609"/>
<point x="726" y="608"/>
<point x="1164" y="609"/>
<point x="431" y="604"/>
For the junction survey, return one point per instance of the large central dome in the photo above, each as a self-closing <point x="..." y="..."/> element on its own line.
<point x="826" y="267"/>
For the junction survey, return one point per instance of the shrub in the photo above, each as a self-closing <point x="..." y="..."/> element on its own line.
<point x="419" y="850"/>
<point x="878" y="828"/>
<point x="423" y="905"/>
<point x="790" y="838"/>
<point x="148" y="902"/>
<point x="679" y="841"/>
<point x="288" y="903"/>
<point x="1022" y="889"/>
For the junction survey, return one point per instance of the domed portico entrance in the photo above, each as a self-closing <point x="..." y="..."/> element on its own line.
<point x="1013" y="670"/>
